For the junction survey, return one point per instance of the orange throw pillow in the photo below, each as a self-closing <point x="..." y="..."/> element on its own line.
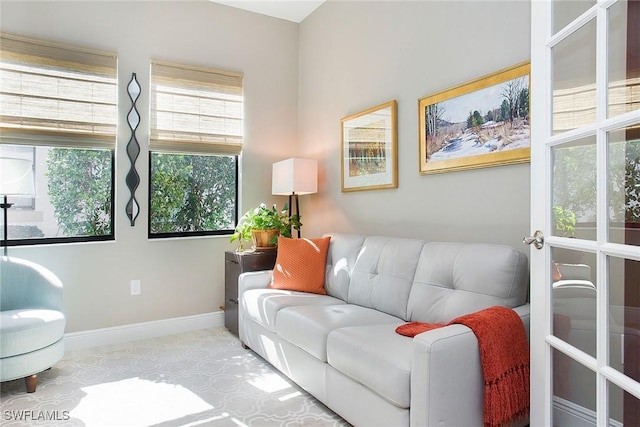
<point x="300" y="265"/>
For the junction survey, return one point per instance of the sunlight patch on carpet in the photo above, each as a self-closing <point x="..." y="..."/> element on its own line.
<point x="207" y="421"/>
<point x="269" y="383"/>
<point x="289" y="396"/>
<point x="136" y="401"/>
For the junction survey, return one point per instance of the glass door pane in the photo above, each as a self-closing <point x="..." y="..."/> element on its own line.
<point x="623" y="60"/>
<point x="621" y="407"/>
<point x="574" y="298"/>
<point x="566" y="11"/>
<point x="574" y="78"/>
<point x="624" y="318"/>
<point x="574" y="392"/>
<point x="624" y="186"/>
<point x="574" y="183"/>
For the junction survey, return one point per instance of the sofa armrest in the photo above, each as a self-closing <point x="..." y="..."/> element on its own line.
<point x="447" y="386"/>
<point x="253" y="280"/>
<point x="446" y="378"/>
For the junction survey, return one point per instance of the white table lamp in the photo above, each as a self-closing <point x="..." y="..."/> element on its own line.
<point x="294" y="177"/>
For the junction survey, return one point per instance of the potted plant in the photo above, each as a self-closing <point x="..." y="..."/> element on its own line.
<point x="264" y="225"/>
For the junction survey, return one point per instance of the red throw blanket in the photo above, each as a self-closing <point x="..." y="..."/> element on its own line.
<point x="504" y="355"/>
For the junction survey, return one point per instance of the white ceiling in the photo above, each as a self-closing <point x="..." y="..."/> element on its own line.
<point x="291" y="10"/>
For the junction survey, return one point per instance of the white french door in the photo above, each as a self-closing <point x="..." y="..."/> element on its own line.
<point x="585" y="186"/>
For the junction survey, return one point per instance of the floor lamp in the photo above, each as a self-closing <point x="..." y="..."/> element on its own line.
<point x="16" y="180"/>
<point x="294" y="177"/>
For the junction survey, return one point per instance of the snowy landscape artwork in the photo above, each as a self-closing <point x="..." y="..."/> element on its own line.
<point x="482" y="123"/>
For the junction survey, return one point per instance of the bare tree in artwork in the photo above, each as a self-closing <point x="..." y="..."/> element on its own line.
<point x="511" y="92"/>
<point x="433" y="113"/>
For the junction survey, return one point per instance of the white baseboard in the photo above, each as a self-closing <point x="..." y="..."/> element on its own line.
<point x="139" y="331"/>
<point x="567" y="413"/>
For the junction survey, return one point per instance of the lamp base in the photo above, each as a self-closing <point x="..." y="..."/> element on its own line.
<point x="294" y="196"/>
<point x="5" y="205"/>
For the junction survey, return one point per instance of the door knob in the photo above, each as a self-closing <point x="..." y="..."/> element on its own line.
<point x="537" y="239"/>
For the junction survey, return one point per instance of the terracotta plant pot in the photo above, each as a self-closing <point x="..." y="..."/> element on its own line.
<point x="262" y="238"/>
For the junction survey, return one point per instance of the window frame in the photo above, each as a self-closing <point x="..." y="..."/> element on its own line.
<point x="188" y="77"/>
<point x="76" y="239"/>
<point x="99" y="67"/>
<point x="182" y="234"/>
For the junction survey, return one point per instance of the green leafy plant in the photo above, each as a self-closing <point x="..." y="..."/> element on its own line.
<point x="263" y="218"/>
<point x="565" y="221"/>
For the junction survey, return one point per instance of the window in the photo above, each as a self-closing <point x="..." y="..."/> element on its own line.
<point x="196" y="137"/>
<point x="58" y="109"/>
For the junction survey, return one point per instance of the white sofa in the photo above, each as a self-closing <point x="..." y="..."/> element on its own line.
<point x="343" y="349"/>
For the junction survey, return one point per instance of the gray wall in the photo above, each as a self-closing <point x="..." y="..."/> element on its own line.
<point x="355" y="55"/>
<point x="180" y="277"/>
<point x="300" y="80"/>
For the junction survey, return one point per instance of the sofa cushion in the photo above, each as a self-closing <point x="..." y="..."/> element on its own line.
<point x="376" y="357"/>
<point x="300" y="265"/>
<point x="453" y="279"/>
<point x="341" y="257"/>
<point x="383" y="274"/>
<point x="262" y="305"/>
<point x="28" y="329"/>
<point x="308" y="326"/>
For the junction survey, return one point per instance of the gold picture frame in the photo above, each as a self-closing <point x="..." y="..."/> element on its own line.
<point x="370" y="149"/>
<point x="481" y="123"/>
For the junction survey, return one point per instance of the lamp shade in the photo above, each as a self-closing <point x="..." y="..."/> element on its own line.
<point x="16" y="177"/>
<point x="295" y="176"/>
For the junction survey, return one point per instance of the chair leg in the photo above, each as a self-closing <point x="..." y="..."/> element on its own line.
<point x="32" y="383"/>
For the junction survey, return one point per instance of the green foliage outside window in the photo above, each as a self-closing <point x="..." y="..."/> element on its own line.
<point x="79" y="186"/>
<point x="192" y="193"/>
<point x="188" y="192"/>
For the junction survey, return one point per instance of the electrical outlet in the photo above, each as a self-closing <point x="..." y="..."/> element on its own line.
<point x="136" y="287"/>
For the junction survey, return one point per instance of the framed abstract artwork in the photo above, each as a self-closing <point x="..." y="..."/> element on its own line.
<point x="370" y="148"/>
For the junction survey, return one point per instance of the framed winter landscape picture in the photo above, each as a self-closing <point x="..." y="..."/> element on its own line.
<point x="481" y="123"/>
<point x="370" y="148"/>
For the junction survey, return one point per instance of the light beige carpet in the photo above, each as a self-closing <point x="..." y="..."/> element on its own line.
<point x="201" y="378"/>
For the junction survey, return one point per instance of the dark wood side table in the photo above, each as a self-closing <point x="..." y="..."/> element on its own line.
<point x="236" y="263"/>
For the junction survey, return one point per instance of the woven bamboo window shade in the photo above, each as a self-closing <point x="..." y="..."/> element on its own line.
<point x="53" y="94"/>
<point x="195" y="110"/>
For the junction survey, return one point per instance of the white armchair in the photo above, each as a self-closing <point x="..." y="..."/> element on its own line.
<point x="31" y="320"/>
